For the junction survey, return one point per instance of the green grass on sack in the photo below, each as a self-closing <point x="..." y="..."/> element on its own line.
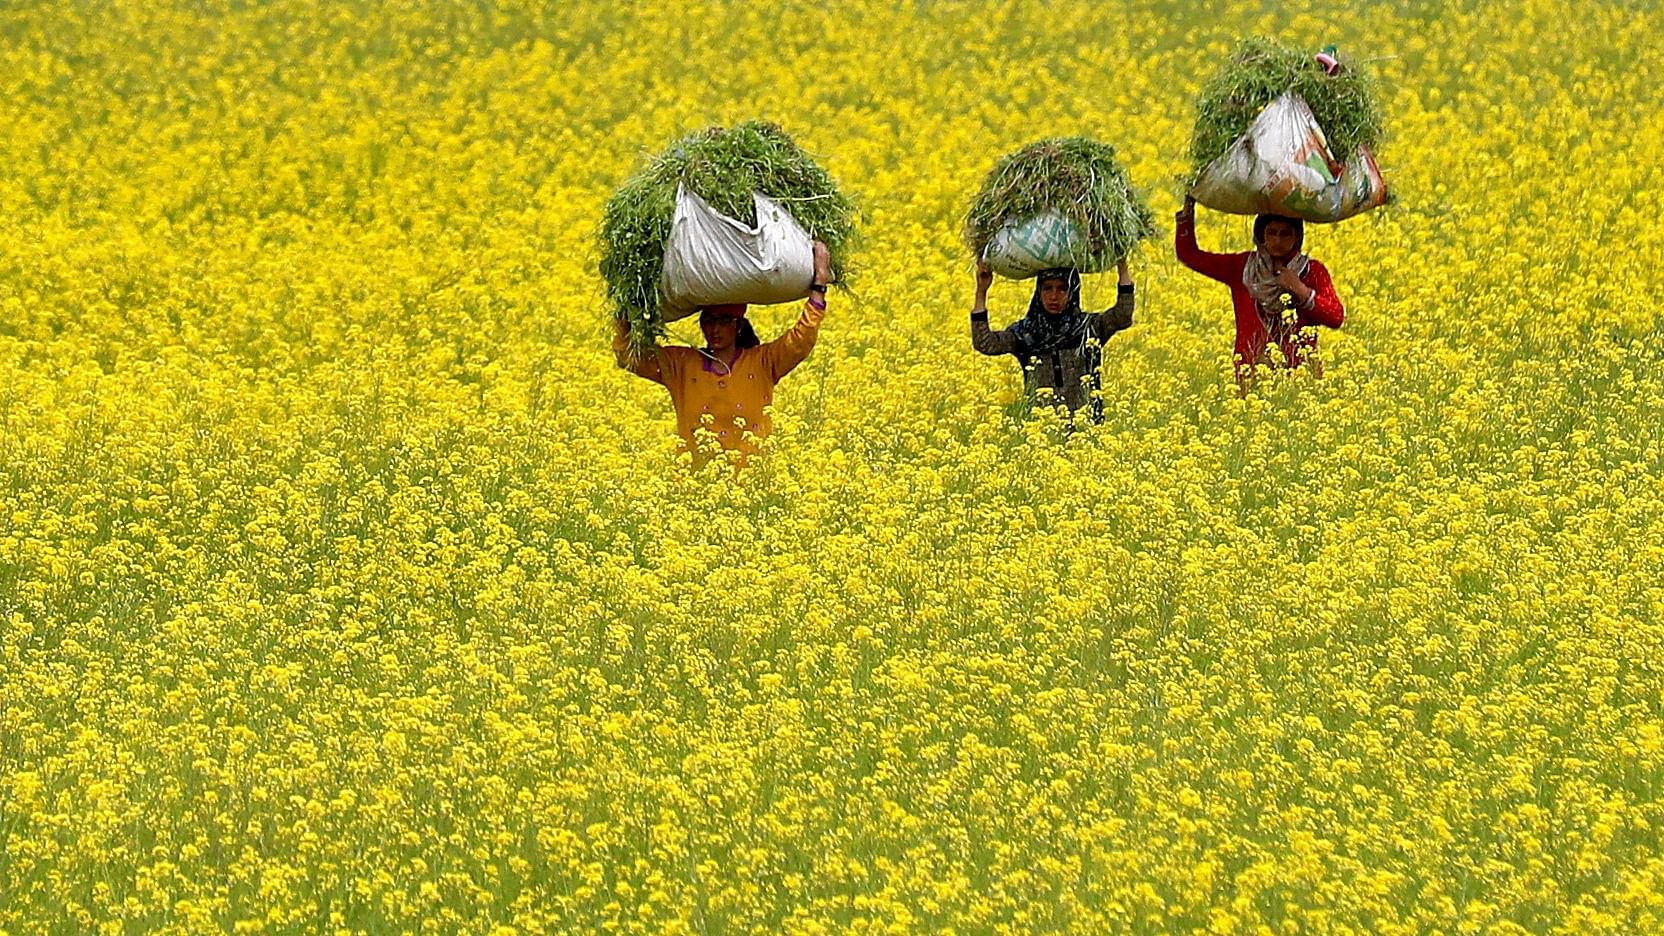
<point x="722" y="166"/>
<point x="1079" y="178"/>
<point x="1258" y="72"/>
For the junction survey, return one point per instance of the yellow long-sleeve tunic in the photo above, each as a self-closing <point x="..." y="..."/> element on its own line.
<point x="735" y="399"/>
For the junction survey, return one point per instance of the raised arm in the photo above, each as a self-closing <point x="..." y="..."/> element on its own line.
<point x="983" y="338"/>
<point x="1119" y="316"/>
<point x="787" y="351"/>
<point x="1221" y="267"/>
<point x="648" y="364"/>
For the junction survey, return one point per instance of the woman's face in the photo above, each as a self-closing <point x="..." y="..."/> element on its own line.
<point x="1281" y="240"/>
<point x="721" y="331"/>
<point x="1054" y="294"/>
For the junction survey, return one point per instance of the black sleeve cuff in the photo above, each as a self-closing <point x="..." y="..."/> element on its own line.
<point x="980" y="316"/>
<point x="1125" y="288"/>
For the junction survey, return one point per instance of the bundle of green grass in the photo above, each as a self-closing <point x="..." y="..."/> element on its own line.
<point x="1074" y="177"/>
<point x="1258" y="72"/>
<point x="724" y="167"/>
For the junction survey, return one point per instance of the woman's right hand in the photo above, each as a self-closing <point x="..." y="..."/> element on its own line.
<point x="1187" y="214"/>
<point x="984" y="277"/>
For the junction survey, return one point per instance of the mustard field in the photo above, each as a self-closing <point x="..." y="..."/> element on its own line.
<point x="348" y="586"/>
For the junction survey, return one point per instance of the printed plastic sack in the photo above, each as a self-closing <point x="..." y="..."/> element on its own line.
<point x="1045" y="241"/>
<point x="1283" y="165"/>
<point x="712" y="259"/>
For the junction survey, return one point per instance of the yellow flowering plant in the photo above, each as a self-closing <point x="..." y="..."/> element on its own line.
<point x="347" y="586"/>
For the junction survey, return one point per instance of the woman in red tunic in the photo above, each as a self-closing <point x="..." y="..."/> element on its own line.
<point x="1278" y="292"/>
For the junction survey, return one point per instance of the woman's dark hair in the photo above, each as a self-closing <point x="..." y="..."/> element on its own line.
<point x="747" y="337"/>
<point x="1264" y="220"/>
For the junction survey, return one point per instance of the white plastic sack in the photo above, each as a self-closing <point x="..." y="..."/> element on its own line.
<point x="1045" y="241"/>
<point x="1283" y="165"/>
<point x="712" y="259"/>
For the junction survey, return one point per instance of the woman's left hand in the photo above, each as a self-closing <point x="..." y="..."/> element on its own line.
<point x="1291" y="281"/>
<point x="823" y="264"/>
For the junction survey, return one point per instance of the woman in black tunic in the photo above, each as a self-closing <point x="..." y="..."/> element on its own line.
<point x="1059" y="346"/>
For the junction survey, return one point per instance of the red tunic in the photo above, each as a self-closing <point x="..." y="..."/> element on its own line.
<point x="1251" y="335"/>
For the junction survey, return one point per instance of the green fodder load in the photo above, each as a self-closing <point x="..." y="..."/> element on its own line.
<point x="1261" y="70"/>
<point x="726" y="168"/>
<point x="1061" y="202"/>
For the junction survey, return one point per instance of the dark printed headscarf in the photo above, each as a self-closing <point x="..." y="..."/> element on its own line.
<point x="1041" y="332"/>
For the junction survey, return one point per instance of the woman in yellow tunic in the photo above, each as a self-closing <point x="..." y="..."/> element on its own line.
<point x="726" y="386"/>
